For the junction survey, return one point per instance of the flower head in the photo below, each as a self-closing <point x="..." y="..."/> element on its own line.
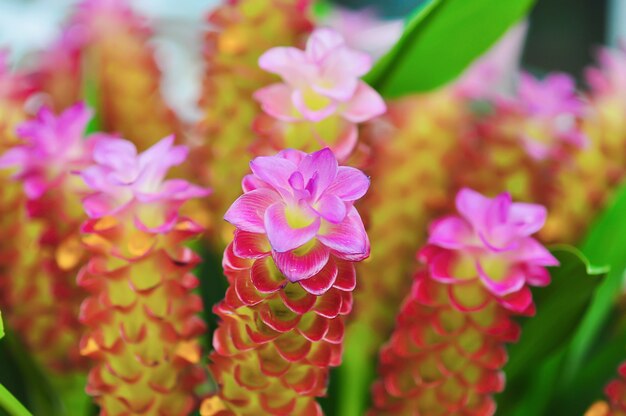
<point x="304" y="204"/>
<point x="122" y="178"/>
<point x="320" y="82"/>
<point x="551" y="111"/>
<point x="493" y="237"/>
<point x="53" y="147"/>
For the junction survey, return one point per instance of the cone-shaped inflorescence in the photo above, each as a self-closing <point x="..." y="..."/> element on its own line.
<point x="447" y="351"/>
<point x="241" y="30"/>
<point x="14" y="91"/>
<point x="410" y="145"/>
<point x="141" y="316"/>
<point x="122" y="72"/>
<point x="587" y="184"/>
<point x="291" y="272"/>
<point x="43" y="293"/>
<point x="523" y="143"/>
<point x="320" y="99"/>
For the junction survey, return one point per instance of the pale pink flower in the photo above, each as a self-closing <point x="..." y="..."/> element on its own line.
<point x="53" y="146"/>
<point x="304" y="204"/>
<point x="320" y="82"/>
<point x="125" y="181"/>
<point x="495" y="235"/>
<point x="551" y="111"/>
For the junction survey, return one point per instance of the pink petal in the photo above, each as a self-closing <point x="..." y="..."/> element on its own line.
<point x="322" y="281"/>
<point x="276" y="101"/>
<point x="290" y="63"/>
<point x="527" y="218"/>
<point x="473" y="207"/>
<point x="513" y="282"/>
<point x="321" y="42"/>
<point x="321" y="168"/>
<point x="350" y="184"/>
<point x="331" y="208"/>
<point x="265" y="277"/>
<point x="346" y="277"/>
<point x="248" y="211"/>
<point x="158" y="159"/>
<point x="439" y="267"/>
<point x="519" y="301"/>
<point x="364" y="105"/>
<point x="282" y="237"/>
<point x="450" y="232"/>
<point x="345" y="142"/>
<point x="537" y="275"/>
<point x="297" y="266"/>
<point x="532" y="251"/>
<point x="98" y="205"/>
<point x="348" y="239"/>
<point x="118" y="154"/>
<point x="273" y="170"/>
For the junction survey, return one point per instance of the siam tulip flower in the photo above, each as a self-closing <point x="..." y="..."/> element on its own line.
<point x="447" y="351"/>
<point x="43" y="291"/>
<point x="141" y="318"/>
<point x="291" y="272"/>
<point x="241" y="30"/>
<point x="117" y="54"/>
<point x="321" y="99"/>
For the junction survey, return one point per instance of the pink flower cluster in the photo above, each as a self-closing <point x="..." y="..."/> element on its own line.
<point x="53" y="147"/>
<point x="552" y="112"/>
<point x="490" y="237"/>
<point x="320" y="82"/>
<point x="304" y="205"/>
<point x="122" y="178"/>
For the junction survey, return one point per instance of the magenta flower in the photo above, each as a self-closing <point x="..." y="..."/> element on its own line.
<point x="53" y="147"/>
<point x="552" y="109"/>
<point x="304" y="204"/>
<point x="493" y="236"/>
<point x="320" y="82"/>
<point x="121" y="178"/>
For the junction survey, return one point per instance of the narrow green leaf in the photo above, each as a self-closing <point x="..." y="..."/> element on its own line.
<point x="1" y="326"/>
<point x="605" y="244"/>
<point x="560" y="307"/>
<point x="440" y="40"/>
<point x="10" y="404"/>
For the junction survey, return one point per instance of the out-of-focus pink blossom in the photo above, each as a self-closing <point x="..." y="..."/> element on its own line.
<point x="610" y="77"/>
<point x="494" y="236"/>
<point x="53" y="147"/>
<point x="551" y="111"/>
<point x="320" y="82"/>
<point x="122" y="179"/>
<point x="304" y="204"/>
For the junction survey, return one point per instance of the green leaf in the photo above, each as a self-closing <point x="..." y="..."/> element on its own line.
<point x="1" y="326"/>
<point x="560" y="307"/>
<point x="10" y="404"/>
<point x="605" y="244"/>
<point x="440" y="40"/>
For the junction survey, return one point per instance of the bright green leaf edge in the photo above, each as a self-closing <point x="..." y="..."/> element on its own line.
<point x="440" y="40"/>
<point x="10" y="404"/>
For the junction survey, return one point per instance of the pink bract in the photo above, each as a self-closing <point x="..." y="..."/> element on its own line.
<point x="496" y="235"/>
<point x="53" y="147"/>
<point x="321" y="81"/>
<point x="124" y="180"/>
<point x="610" y="77"/>
<point x="304" y="204"/>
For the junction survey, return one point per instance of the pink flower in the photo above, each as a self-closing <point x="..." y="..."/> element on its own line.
<point x="610" y="77"/>
<point x="493" y="235"/>
<point x="320" y="82"/>
<point x="124" y="181"/>
<point x="551" y="110"/>
<point x="53" y="147"/>
<point x="304" y="204"/>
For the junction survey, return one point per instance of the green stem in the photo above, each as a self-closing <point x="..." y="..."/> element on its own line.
<point x="9" y="403"/>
